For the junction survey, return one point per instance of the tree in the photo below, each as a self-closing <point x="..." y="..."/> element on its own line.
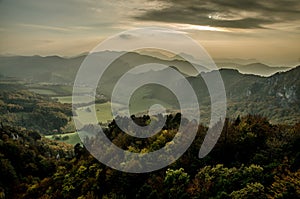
<point x="35" y="135"/>
<point x="252" y="190"/>
<point x="78" y="150"/>
<point x="176" y="182"/>
<point x="219" y="181"/>
<point x="286" y="185"/>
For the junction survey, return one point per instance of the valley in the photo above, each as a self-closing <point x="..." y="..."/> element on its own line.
<point x="265" y="96"/>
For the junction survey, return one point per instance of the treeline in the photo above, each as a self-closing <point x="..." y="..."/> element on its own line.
<point x="252" y="159"/>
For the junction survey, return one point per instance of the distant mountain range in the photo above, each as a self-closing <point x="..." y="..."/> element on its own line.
<point x="276" y="96"/>
<point x="254" y="68"/>
<point x="245" y="66"/>
<point x="52" y="69"/>
<point x="55" y="69"/>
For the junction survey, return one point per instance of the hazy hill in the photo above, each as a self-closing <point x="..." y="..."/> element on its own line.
<point x="54" y="69"/>
<point x="236" y="61"/>
<point x="261" y="69"/>
<point x="252" y="68"/>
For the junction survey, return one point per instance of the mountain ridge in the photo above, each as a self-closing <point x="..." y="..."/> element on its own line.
<point x="50" y="68"/>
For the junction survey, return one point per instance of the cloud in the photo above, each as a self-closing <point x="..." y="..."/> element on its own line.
<point x="43" y="27"/>
<point x="126" y="36"/>
<point x="246" y="14"/>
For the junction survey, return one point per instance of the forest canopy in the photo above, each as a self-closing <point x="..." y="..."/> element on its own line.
<point x="252" y="159"/>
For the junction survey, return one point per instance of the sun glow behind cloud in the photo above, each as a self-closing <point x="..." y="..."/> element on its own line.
<point x="233" y="15"/>
<point x="199" y="27"/>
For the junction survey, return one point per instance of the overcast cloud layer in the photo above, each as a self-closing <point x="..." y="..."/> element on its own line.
<point x="229" y="13"/>
<point x="267" y="30"/>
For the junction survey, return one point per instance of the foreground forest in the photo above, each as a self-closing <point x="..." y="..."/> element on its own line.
<point x="252" y="159"/>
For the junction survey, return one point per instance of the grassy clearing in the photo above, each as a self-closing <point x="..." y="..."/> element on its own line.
<point x="50" y="90"/>
<point x="68" y="99"/>
<point x="73" y="138"/>
<point x="42" y="91"/>
<point x="103" y="112"/>
<point x="65" y="99"/>
<point x="69" y="138"/>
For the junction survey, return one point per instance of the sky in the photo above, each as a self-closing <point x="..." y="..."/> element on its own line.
<point x="268" y="31"/>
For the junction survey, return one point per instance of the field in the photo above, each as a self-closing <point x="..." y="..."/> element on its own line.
<point x="69" y="138"/>
<point x="139" y="104"/>
<point x="103" y="110"/>
<point x="43" y="91"/>
<point x="64" y="99"/>
<point x="73" y="138"/>
<point x="68" y="99"/>
<point x="50" y="90"/>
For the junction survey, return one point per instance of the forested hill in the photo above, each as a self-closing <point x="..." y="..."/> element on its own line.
<point x="276" y="97"/>
<point x="20" y="107"/>
<point x="252" y="159"/>
<point x="283" y="85"/>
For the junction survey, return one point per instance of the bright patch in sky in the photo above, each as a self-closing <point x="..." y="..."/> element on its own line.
<point x="198" y="27"/>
